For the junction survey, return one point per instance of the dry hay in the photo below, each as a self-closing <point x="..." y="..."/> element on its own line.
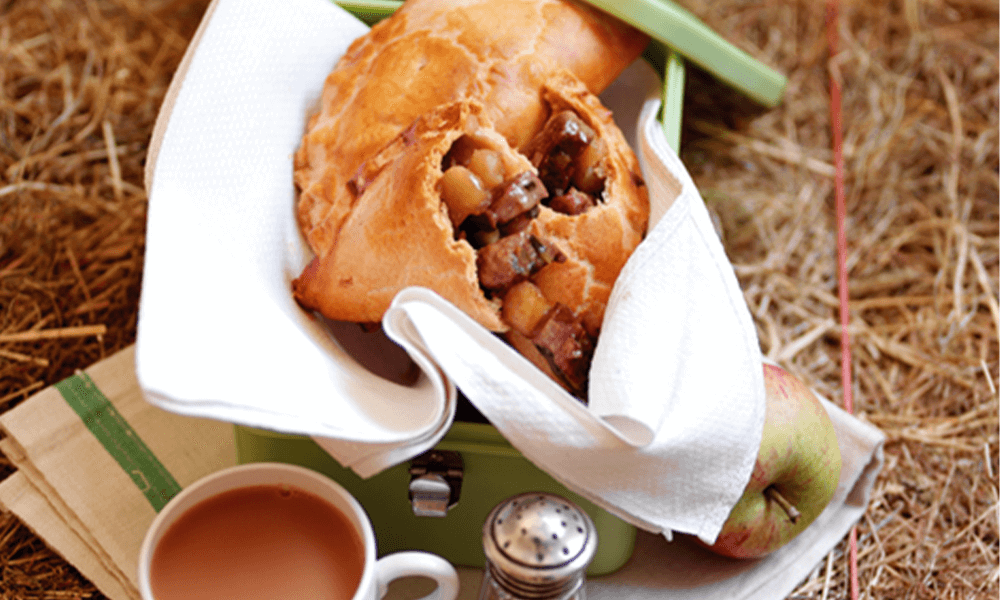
<point x="82" y="82"/>
<point x="81" y="86"/>
<point x="920" y="106"/>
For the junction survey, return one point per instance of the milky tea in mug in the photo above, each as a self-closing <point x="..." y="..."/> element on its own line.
<point x="264" y="541"/>
<point x="271" y="530"/>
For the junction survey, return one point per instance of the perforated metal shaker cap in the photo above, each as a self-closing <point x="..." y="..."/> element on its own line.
<point x="539" y="538"/>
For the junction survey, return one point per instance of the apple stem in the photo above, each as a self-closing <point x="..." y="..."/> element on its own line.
<point x="789" y="508"/>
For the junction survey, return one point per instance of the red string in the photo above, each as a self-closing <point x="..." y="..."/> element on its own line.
<point x="832" y="16"/>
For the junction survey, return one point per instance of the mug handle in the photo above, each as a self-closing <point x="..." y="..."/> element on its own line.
<point x="416" y="563"/>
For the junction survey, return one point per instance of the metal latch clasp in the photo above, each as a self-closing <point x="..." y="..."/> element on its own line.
<point x="435" y="482"/>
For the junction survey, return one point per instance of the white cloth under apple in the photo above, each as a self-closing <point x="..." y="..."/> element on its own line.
<point x="676" y="398"/>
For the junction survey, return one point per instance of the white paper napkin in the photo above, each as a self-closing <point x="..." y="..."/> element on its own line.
<point x="676" y="399"/>
<point x="219" y="334"/>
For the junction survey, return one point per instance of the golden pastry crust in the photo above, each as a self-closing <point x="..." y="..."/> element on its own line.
<point x="432" y="52"/>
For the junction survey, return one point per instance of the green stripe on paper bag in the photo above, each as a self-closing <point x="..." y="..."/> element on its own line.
<point x="119" y="439"/>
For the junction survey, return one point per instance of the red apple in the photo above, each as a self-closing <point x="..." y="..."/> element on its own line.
<point x="796" y="474"/>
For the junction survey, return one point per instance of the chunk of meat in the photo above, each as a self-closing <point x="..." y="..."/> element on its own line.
<point x="564" y="132"/>
<point x="512" y="259"/>
<point x="556" y="172"/>
<point x="568" y="153"/>
<point x="565" y="344"/>
<point x="514" y="197"/>
<point x="554" y="148"/>
<point x="573" y="202"/>
<point x="519" y="223"/>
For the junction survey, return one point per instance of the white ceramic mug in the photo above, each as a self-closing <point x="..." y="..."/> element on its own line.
<point x="376" y="573"/>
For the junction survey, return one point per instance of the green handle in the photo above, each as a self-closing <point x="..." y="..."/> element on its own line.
<point x="370" y="11"/>
<point x="677" y="28"/>
<point x="674" y="75"/>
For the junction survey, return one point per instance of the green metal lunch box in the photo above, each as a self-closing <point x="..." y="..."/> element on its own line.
<point x="491" y="471"/>
<point x="486" y="469"/>
<point x="472" y="457"/>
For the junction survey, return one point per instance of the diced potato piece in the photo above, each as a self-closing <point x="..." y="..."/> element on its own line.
<point x="488" y="166"/>
<point x="524" y="307"/>
<point x="463" y="193"/>
<point x="590" y="173"/>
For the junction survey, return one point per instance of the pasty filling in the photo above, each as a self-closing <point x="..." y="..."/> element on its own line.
<point x="493" y="213"/>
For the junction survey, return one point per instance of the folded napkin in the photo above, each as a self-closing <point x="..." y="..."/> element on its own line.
<point x="219" y="333"/>
<point x="671" y="433"/>
<point x="95" y="462"/>
<point x="87" y="448"/>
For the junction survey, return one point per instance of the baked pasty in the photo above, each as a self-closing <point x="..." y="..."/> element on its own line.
<point x="521" y="218"/>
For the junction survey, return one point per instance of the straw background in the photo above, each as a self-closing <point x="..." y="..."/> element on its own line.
<point x="81" y="83"/>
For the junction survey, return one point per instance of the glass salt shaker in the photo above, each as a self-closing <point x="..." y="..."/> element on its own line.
<point x="538" y="546"/>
